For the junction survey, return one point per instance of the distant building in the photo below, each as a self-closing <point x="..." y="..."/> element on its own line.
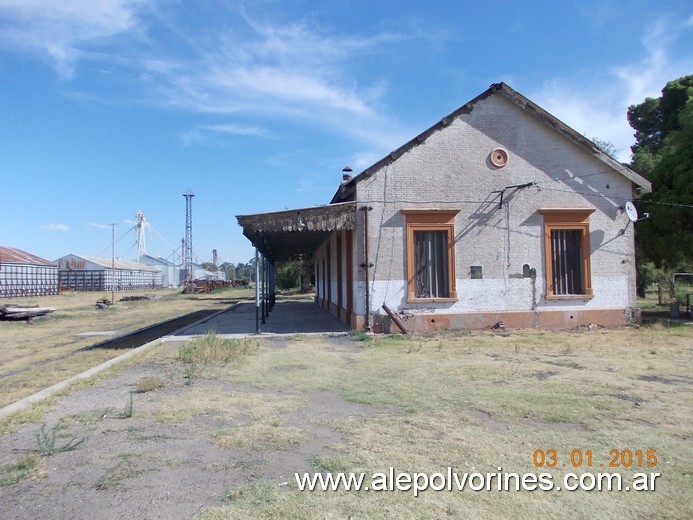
<point x="200" y="273"/>
<point x="91" y="273"/>
<point x="169" y="270"/>
<point x="23" y="274"/>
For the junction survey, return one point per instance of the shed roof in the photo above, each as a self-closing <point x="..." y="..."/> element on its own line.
<point x="11" y="255"/>
<point x="346" y="189"/>
<point x="159" y="261"/>
<point x="282" y="235"/>
<point x="117" y="263"/>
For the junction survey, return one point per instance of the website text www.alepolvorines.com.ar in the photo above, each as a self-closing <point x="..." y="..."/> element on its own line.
<point x="450" y="480"/>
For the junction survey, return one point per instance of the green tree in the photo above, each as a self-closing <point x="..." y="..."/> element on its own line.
<point x="245" y="271"/>
<point x="209" y="266"/>
<point x="654" y="119"/>
<point x="663" y="153"/>
<point x="229" y="269"/>
<point x="607" y="147"/>
<point x="288" y="274"/>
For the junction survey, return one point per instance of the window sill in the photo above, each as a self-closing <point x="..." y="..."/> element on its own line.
<point x="431" y="300"/>
<point x="569" y="297"/>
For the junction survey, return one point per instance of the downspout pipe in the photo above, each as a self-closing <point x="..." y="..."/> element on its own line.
<point x="366" y="264"/>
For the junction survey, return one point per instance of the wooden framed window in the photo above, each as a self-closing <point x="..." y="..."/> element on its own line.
<point x="567" y="253"/>
<point x="430" y="255"/>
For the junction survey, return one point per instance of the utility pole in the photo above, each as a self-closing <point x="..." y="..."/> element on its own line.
<point x="187" y="248"/>
<point x="113" y="226"/>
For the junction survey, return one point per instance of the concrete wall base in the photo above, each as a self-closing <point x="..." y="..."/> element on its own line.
<point x="541" y="319"/>
<point x="546" y="319"/>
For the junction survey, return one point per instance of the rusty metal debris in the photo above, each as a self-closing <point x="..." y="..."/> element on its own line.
<point x="395" y="319"/>
<point x="206" y="286"/>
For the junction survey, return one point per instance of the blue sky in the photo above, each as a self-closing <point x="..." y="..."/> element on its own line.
<point x="109" y="107"/>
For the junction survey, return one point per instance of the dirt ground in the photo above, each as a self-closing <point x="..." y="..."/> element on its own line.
<point x="140" y="467"/>
<point x="224" y="440"/>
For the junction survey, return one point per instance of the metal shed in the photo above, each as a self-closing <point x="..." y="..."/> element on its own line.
<point x="169" y="270"/>
<point x="23" y="274"/>
<point x="92" y="273"/>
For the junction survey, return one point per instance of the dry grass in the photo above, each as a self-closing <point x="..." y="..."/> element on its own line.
<point x="149" y="384"/>
<point x="36" y="355"/>
<point x="473" y="402"/>
<point x="29" y="466"/>
<point x="210" y="349"/>
<point x="480" y="402"/>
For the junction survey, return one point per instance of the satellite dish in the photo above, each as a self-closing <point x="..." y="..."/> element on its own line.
<point x="631" y="211"/>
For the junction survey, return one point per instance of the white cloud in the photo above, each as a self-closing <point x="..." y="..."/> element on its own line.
<point x="56" y="227"/>
<point x="645" y="78"/>
<point x="275" y="71"/>
<point x="62" y="29"/>
<point x="99" y="226"/>
<point x="298" y="72"/>
<point x="598" y="108"/>
<point x="234" y="129"/>
<point x="202" y="132"/>
<point x="363" y="160"/>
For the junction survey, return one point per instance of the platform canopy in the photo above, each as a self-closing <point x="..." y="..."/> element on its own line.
<point x="285" y="235"/>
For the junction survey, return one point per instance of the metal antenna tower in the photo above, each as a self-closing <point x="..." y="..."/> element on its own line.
<point x="141" y="244"/>
<point x="187" y="246"/>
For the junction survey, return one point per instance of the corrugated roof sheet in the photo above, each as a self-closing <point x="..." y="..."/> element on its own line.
<point x="118" y="264"/>
<point x="282" y="235"/>
<point x="10" y="255"/>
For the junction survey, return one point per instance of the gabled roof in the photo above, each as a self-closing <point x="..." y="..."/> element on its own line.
<point x="346" y="190"/>
<point x="10" y="255"/>
<point x="156" y="261"/>
<point x="117" y="263"/>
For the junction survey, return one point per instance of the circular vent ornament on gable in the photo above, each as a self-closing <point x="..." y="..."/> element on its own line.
<point x="499" y="157"/>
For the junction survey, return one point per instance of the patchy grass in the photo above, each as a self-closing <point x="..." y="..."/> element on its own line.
<point x="197" y="402"/>
<point x="474" y="402"/>
<point x="37" y="355"/>
<point x="125" y="469"/>
<point x="50" y="441"/>
<point x="36" y="412"/>
<point x="331" y="464"/>
<point x="260" y="437"/>
<point x="477" y="403"/>
<point x="211" y="349"/>
<point x="29" y="466"/>
<point x="149" y="384"/>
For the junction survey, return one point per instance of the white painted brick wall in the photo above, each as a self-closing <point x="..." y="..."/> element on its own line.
<point x="451" y="170"/>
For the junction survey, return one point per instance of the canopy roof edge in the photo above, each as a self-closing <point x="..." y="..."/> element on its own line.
<point x="282" y="235"/>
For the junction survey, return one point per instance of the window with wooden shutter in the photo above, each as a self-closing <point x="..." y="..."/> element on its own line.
<point x="567" y="253"/>
<point x="430" y="255"/>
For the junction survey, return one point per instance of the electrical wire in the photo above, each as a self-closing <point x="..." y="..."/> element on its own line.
<point x="588" y="194"/>
<point x="583" y="176"/>
<point x="118" y="240"/>
<point x="665" y="203"/>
